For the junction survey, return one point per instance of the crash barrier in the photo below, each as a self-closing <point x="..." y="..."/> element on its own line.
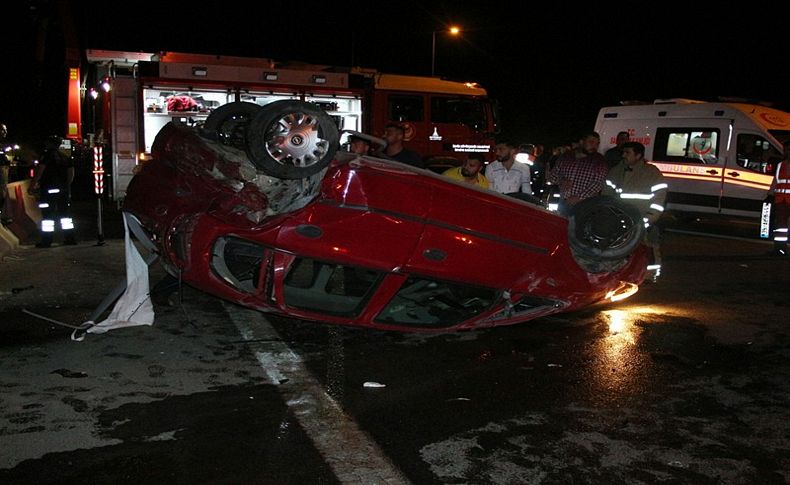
<point x="8" y="241"/>
<point x="24" y="212"/>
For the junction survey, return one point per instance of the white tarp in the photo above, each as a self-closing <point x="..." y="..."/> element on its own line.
<point x="134" y="307"/>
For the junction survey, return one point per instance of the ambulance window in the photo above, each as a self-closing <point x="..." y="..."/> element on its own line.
<point x="690" y="145"/>
<point x="757" y="154"/>
<point x="405" y="108"/>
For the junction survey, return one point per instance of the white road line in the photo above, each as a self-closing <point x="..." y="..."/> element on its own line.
<point x="718" y="236"/>
<point x="353" y="456"/>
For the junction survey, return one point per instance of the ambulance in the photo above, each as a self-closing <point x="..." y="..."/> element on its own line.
<point x="717" y="157"/>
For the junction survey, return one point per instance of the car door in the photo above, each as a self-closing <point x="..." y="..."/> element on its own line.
<point x="748" y="174"/>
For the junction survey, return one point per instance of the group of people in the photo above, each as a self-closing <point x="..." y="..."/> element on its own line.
<point x="394" y="135"/>
<point x="579" y="174"/>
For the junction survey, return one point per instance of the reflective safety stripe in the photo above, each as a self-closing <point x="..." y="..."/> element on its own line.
<point x="611" y="184"/>
<point x="780" y="229"/>
<point x="658" y="187"/>
<point x="657" y="207"/>
<point x="653" y="267"/>
<point x="554" y="207"/>
<point x="53" y="191"/>
<point x="43" y="205"/>
<point x="47" y="225"/>
<point x="637" y="196"/>
<point x="66" y="223"/>
<point x="780" y="239"/>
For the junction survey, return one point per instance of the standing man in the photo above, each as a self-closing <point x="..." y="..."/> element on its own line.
<point x="5" y="165"/>
<point x="469" y="173"/>
<point x="395" y="150"/>
<point x="53" y="177"/>
<point x="506" y="175"/>
<point x="780" y="190"/>
<point x="581" y="173"/>
<point x="642" y="185"/>
<point x="615" y="154"/>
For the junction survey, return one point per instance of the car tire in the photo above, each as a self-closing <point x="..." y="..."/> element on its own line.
<point x="291" y="139"/>
<point x="228" y="124"/>
<point x="605" y="229"/>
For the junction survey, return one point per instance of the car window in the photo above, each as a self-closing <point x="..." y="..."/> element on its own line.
<point x="238" y="262"/>
<point x="329" y="288"/>
<point x="690" y="145"/>
<point x="423" y="302"/>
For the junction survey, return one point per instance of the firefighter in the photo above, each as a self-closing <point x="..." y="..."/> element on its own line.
<point x="780" y="191"/>
<point x="640" y="184"/>
<point x="52" y="180"/>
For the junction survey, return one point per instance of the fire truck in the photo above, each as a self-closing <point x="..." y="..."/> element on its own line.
<point x="134" y="95"/>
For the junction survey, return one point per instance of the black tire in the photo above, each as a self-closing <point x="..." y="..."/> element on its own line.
<point x="228" y="124"/>
<point x="291" y="139"/>
<point x="605" y="229"/>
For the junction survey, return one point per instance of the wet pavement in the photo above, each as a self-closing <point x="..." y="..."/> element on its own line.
<point x="688" y="381"/>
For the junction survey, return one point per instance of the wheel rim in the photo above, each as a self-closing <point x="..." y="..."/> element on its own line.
<point x="294" y="139"/>
<point x="609" y="228"/>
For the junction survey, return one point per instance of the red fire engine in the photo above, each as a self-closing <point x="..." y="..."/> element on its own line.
<point x="137" y="94"/>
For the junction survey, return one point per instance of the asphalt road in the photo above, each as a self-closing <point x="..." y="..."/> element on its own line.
<point x="688" y="381"/>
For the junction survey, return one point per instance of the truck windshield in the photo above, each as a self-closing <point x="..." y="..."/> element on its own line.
<point x="467" y="111"/>
<point x="782" y="135"/>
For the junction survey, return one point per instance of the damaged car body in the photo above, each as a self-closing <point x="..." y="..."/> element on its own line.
<point x="259" y="207"/>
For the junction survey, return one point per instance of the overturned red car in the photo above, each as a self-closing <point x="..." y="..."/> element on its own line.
<point x="262" y="208"/>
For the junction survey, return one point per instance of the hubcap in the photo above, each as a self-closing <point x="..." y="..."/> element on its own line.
<point x="294" y="140"/>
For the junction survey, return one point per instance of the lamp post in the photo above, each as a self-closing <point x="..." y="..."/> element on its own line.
<point x="452" y="30"/>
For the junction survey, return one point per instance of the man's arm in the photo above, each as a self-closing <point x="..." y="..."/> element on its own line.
<point x="657" y="203"/>
<point x="37" y="173"/>
<point x="526" y="180"/>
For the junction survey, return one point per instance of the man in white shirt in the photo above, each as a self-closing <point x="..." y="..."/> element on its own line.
<point x="506" y="175"/>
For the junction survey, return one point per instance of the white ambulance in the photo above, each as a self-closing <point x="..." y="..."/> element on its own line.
<point x="717" y="157"/>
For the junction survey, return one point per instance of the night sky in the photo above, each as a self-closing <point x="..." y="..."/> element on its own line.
<point x="550" y="70"/>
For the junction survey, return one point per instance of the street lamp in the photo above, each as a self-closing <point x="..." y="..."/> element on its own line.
<point x="452" y="30"/>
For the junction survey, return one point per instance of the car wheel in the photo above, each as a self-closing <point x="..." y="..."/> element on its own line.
<point x="604" y="228"/>
<point x="228" y="123"/>
<point x="291" y="139"/>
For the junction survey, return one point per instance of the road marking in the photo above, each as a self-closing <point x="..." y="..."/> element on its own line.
<point x="718" y="236"/>
<point x="353" y="456"/>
